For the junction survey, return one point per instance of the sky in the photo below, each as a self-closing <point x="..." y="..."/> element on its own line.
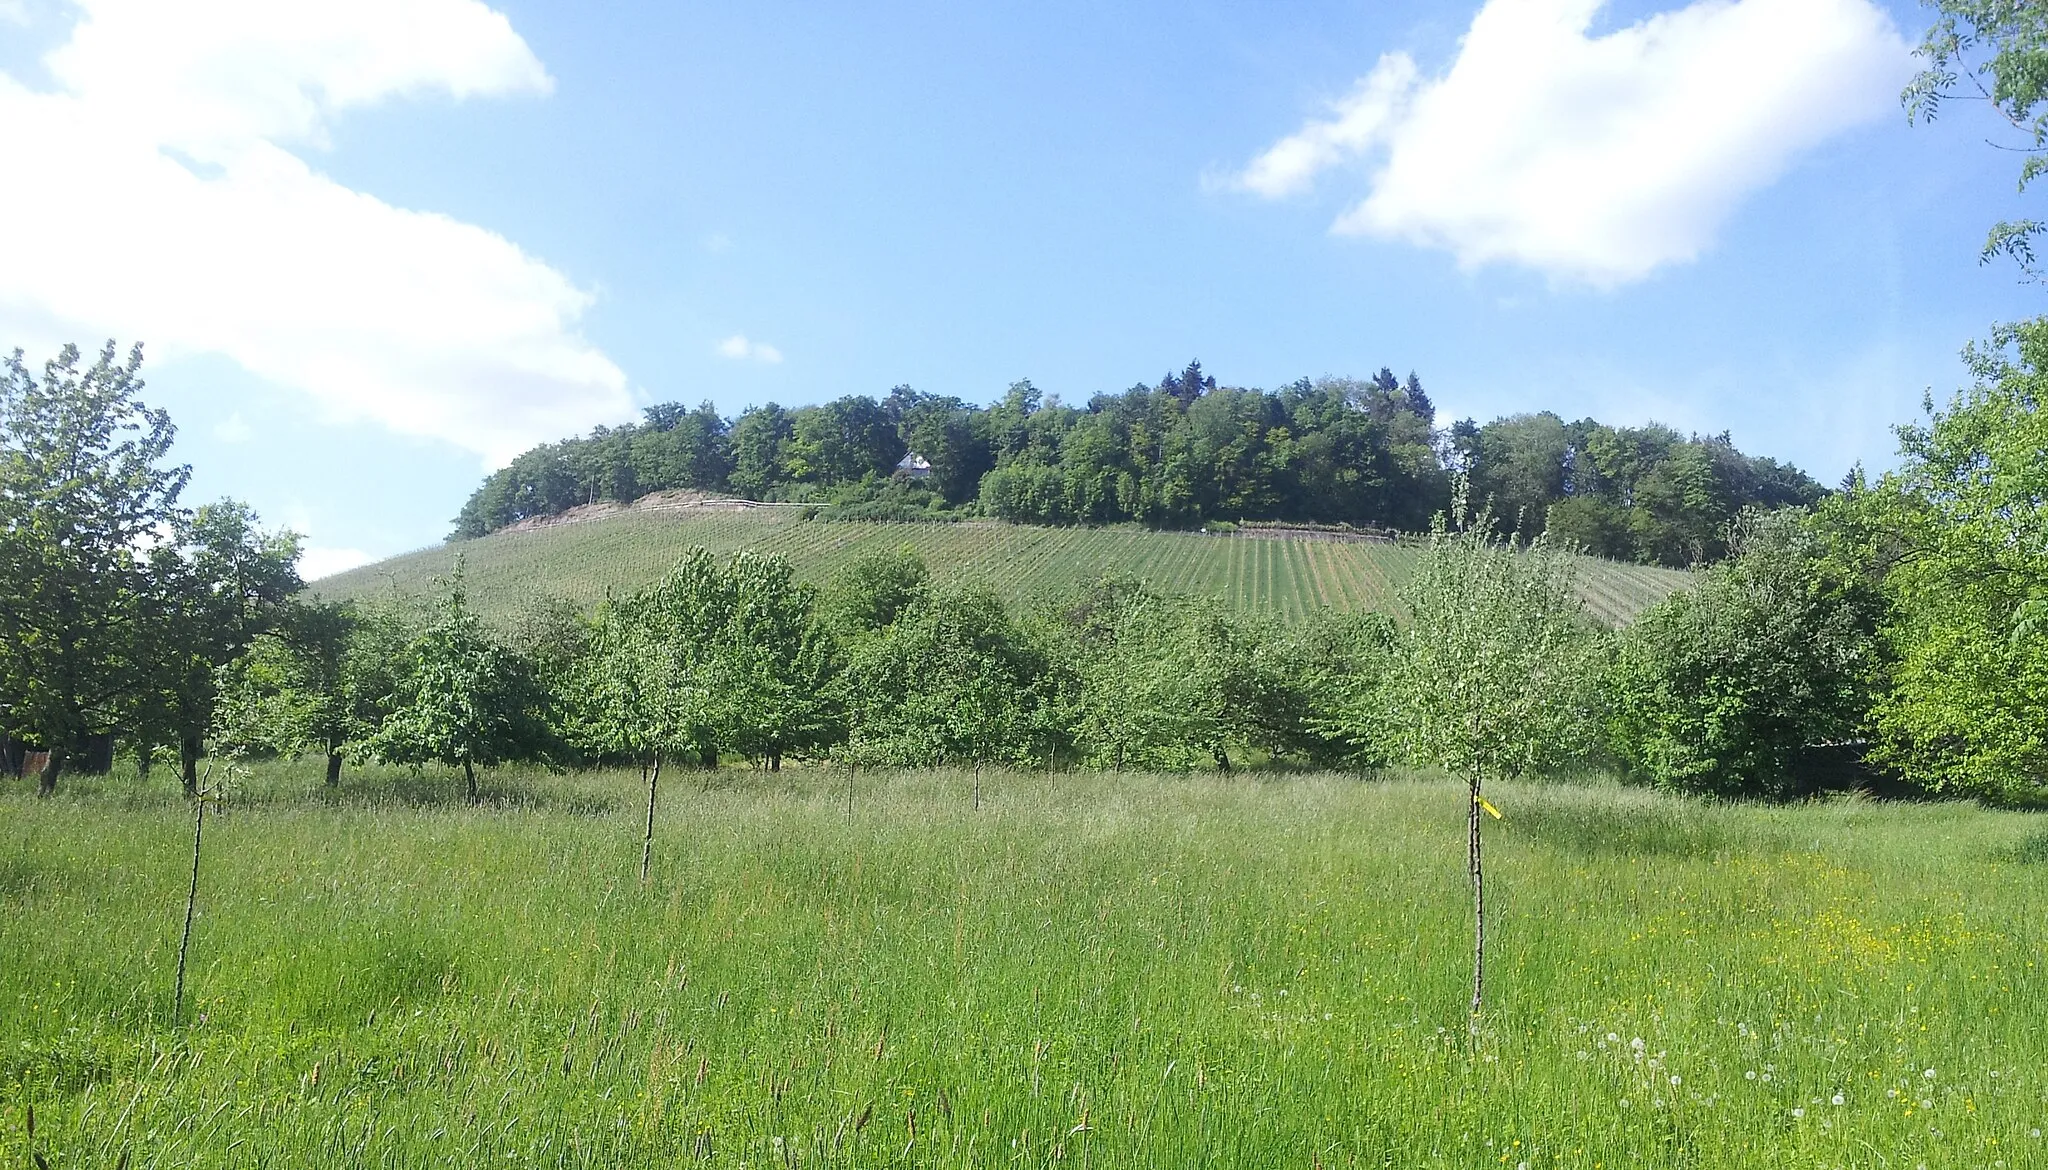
<point x="374" y="248"/>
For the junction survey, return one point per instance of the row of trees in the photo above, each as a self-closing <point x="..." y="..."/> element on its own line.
<point x="1175" y="455"/>
<point x="1898" y="624"/>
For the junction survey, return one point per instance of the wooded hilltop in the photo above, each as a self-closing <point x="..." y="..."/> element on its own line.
<point x="1181" y="454"/>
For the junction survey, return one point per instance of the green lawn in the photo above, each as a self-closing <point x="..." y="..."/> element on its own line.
<point x="1290" y="577"/>
<point x="1091" y="970"/>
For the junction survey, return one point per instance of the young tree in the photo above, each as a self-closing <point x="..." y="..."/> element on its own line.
<point x="774" y="662"/>
<point x="1495" y="675"/>
<point x="465" y="700"/>
<point x="82" y="495"/>
<point x="644" y="684"/>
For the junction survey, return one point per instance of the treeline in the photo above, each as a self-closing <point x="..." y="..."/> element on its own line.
<point x="1897" y="628"/>
<point x="1177" y="455"/>
<point x="1897" y="631"/>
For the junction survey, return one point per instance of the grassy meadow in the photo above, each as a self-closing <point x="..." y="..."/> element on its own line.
<point x="1088" y="970"/>
<point x="627" y="550"/>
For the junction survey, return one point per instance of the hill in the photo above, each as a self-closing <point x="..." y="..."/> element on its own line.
<point x="581" y="555"/>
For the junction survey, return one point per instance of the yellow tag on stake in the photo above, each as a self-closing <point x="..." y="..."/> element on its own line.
<point x="1488" y="806"/>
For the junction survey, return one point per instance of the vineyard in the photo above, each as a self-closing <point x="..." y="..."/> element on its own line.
<point x="1291" y="577"/>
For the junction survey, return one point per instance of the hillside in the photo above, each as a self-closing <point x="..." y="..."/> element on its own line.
<point x="624" y="549"/>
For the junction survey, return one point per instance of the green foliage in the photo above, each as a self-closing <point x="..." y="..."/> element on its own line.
<point x="1730" y="687"/>
<point x="1497" y="672"/>
<point x="875" y="589"/>
<point x="949" y="679"/>
<point x="464" y="699"/>
<point x="1172" y="683"/>
<point x="82" y="497"/>
<point x="1962" y="528"/>
<point x="711" y="658"/>
<point x="1995" y="51"/>
<point x="1644" y="494"/>
<point x="1181" y="454"/>
<point x="321" y="681"/>
<point x="221" y="584"/>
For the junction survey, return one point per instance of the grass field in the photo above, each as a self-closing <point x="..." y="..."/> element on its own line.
<point x="1090" y="970"/>
<point x="623" y="552"/>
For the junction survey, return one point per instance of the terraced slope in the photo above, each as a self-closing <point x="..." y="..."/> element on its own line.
<point x="1291" y="576"/>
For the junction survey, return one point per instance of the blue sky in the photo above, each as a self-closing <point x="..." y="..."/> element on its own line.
<point x="376" y="247"/>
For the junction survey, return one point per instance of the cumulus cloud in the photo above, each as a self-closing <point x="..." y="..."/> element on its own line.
<point x="1595" y="158"/>
<point x="166" y="203"/>
<point x="738" y="348"/>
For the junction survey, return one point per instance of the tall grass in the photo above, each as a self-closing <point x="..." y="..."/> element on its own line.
<point x="1107" y="971"/>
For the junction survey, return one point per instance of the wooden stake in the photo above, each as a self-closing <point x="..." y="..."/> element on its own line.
<point x="647" y="842"/>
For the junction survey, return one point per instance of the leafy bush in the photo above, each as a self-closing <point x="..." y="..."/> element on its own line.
<point x="1732" y="687"/>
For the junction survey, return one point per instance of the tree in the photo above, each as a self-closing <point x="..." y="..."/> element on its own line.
<point x="773" y="663"/>
<point x="465" y="700"/>
<point x="83" y="495"/>
<point x="869" y="594"/>
<point x="224" y="582"/>
<point x="645" y="680"/>
<point x="320" y="681"/>
<point x="2003" y="43"/>
<point x="952" y="678"/>
<point x="1495" y="675"/>
<point x="1734" y="686"/>
<point x="1961" y="537"/>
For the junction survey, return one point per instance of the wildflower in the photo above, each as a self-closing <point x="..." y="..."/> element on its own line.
<point x="1838" y="1098"/>
<point x="1675" y="1079"/>
<point x="1798" y="1113"/>
<point x="1750" y="1075"/>
<point x="1929" y="1074"/>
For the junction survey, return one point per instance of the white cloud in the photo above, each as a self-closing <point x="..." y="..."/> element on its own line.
<point x="739" y="348"/>
<point x="316" y="561"/>
<point x="1597" y="158"/>
<point x="167" y="207"/>
<point x="234" y="429"/>
<point x="14" y="12"/>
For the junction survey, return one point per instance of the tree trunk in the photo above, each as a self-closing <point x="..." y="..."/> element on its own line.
<point x="53" y="767"/>
<point x="191" y="903"/>
<point x="333" y="768"/>
<point x="469" y="778"/>
<point x="775" y="761"/>
<point x="707" y="755"/>
<point x="143" y="758"/>
<point x="188" y="755"/>
<point x="977" y="786"/>
<point x="647" y="842"/>
<point x="1478" y="909"/>
<point x="1223" y="760"/>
